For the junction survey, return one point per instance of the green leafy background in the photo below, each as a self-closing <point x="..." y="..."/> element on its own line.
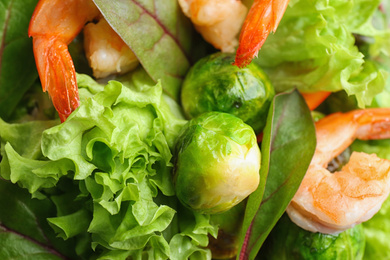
<point x="314" y="49"/>
<point x="17" y="64"/>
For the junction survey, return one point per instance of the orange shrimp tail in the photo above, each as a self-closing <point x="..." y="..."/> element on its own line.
<point x="313" y="100"/>
<point x="54" y="24"/>
<point x="57" y="74"/>
<point x="263" y="17"/>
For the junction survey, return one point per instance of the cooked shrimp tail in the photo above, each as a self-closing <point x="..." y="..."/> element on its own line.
<point x="54" y="24"/>
<point x="263" y="18"/>
<point x="57" y="74"/>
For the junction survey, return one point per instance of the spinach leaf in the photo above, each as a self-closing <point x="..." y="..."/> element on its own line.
<point x="17" y="65"/>
<point x="158" y="34"/>
<point x="287" y="148"/>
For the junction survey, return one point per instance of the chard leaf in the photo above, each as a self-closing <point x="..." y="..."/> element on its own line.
<point x="17" y="65"/>
<point x="157" y="32"/>
<point x="287" y="148"/>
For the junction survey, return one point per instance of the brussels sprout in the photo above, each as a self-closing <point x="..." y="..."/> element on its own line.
<point x="217" y="162"/>
<point x="288" y="241"/>
<point x="214" y="84"/>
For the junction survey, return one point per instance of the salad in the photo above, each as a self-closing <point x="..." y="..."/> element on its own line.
<point x="170" y="133"/>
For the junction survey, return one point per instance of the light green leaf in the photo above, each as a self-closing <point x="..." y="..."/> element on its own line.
<point x="314" y="49"/>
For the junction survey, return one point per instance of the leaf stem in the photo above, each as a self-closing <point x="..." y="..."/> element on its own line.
<point x="243" y="253"/>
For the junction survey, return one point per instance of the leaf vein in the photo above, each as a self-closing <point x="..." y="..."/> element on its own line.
<point x="165" y="29"/>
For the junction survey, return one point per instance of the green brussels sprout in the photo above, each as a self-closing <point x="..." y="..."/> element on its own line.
<point x="217" y="162"/>
<point x="288" y="241"/>
<point x="214" y="84"/>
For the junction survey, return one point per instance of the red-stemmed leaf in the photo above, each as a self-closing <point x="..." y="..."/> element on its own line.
<point x="157" y="32"/>
<point x="287" y="147"/>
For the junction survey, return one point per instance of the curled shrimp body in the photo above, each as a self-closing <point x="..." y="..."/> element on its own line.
<point x="218" y="21"/>
<point x="332" y="202"/>
<point x="54" y="24"/>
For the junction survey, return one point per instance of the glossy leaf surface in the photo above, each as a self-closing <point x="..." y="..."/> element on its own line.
<point x="157" y="32"/>
<point x="287" y="148"/>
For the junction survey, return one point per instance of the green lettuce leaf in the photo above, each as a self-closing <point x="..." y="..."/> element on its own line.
<point x="377" y="234"/>
<point x="107" y="169"/>
<point x="314" y="49"/>
<point x="380" y="147"/>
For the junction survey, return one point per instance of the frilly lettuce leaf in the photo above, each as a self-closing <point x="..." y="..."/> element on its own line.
<point x="314" y="49"/>
<point x="377" y="234"/>
<point x="107" y="169"/>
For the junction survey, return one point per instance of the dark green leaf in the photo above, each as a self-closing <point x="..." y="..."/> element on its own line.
<point x="287" y="148"/>
<point x="24" y="232"/>
<point x="17" y="65"/>
<point x="157" y="32"/>
<point x="15" y="246"/>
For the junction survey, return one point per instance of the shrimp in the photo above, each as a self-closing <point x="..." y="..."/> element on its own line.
<point x="263" y="17"/>
<point x="106" y="52"/>
<point x="332" y="202"/>
<point x="313" y="100"/>
<point x="54" y="24"/>
<point x="218" y="21"/>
